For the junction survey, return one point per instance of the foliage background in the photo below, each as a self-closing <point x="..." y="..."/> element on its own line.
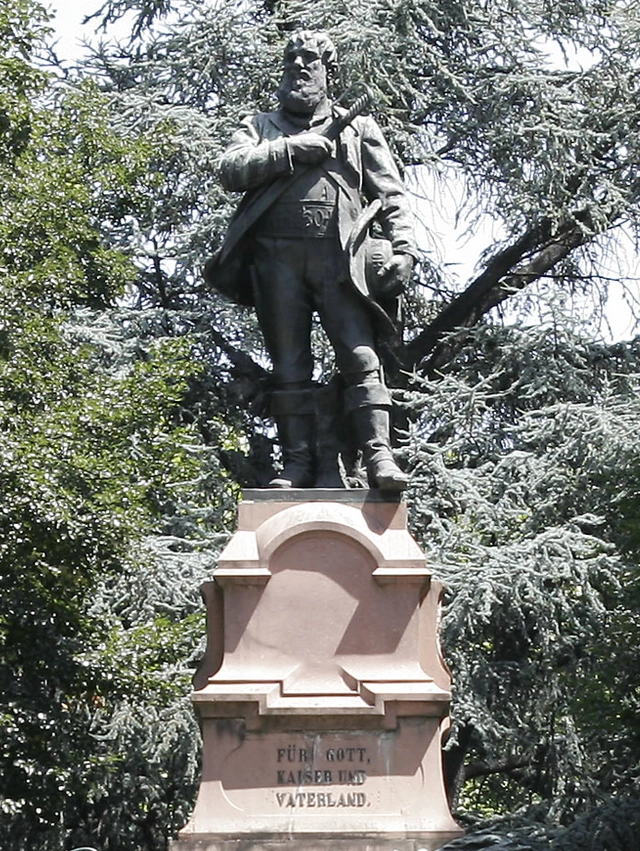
<point x="131" y="401"/>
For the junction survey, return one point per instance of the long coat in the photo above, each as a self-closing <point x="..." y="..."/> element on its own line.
<point x="257" y="162"/>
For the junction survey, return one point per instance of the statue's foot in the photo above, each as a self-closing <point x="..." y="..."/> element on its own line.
<point x="296" y="434"/>
<point x="385" y="475"/>
<point x="293" y="477"/>
<point x="372" y="424"/>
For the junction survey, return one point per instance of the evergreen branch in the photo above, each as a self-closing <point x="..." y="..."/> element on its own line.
<point x="243" y="364"/>
<point x="486" y="769"/>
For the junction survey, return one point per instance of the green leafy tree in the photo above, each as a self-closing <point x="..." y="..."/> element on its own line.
<point x="97" y="456"/>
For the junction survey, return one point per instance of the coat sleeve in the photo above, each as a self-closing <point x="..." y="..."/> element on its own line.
<point x="381" y="179"/>
<point x="251" y="160"/>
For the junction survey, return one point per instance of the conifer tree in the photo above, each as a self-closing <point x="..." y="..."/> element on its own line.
<point x="134" y="396"/>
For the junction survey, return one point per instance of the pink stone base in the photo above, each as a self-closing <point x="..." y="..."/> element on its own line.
<point x="320" y="787"/>
<point x="323" y="695"/>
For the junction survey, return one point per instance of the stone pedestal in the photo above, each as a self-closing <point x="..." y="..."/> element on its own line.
<point x="323" y="695"/>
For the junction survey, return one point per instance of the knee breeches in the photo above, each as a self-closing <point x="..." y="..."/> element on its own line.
<point x="294" y="278"/>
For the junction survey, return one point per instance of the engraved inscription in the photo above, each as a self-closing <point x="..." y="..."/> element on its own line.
<point x="321" y="766"/>
<point x="308" y="775"/>
<point x="318" y="777"/>
<point x="352" y="778"/>
<point x="292" y="753"/>
<point x="321" y="799"/>
<point x="346" y="754"/>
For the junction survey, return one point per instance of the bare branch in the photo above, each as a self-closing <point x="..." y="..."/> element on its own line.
<point x="244" y="365"/>
<point x="528" y="259"/>
<point x="486" y="769"/>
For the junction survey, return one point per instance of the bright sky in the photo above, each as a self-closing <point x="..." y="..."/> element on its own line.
<point x="70" y="32"/>
<point x="67" y="24"/>
<point x="448" y="238"/>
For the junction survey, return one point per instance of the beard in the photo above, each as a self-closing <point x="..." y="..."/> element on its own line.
<point x="301" y="94"/>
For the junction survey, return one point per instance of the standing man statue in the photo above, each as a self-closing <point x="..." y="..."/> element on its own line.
<point x="315" y="177"/>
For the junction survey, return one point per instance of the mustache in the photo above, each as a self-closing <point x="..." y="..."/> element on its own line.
<point x="300" y="85"/>
<point x="295" y="75"/>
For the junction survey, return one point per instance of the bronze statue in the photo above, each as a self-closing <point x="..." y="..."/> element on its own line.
<point x="315" y="178"/>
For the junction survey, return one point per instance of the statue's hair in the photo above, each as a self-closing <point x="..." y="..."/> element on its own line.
<point x="321" y="42"/>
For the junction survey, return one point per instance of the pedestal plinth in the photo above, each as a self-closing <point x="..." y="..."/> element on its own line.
<point x="323" y="695"/>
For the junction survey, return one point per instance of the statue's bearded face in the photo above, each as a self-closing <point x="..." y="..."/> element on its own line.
<point x="304" y="81"/>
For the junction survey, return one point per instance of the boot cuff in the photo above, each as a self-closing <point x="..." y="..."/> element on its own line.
<point x="366" y="396"/>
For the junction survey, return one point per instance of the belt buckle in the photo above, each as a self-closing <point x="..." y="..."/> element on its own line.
<point x="317" y="217"/>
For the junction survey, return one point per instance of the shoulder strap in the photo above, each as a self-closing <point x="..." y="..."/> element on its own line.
<point x="248" y="214"/>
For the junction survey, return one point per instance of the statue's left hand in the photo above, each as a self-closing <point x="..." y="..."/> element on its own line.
<point x="394" y="275"/>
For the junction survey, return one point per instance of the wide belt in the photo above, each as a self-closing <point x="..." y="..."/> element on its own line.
<point x="300" y="219"/>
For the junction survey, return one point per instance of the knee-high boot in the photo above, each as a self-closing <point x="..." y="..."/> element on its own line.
<point x="372" y="425"/>
<point x="295" y="418"/>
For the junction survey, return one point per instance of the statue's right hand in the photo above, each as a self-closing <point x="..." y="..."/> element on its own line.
<point x="309" y="148"/>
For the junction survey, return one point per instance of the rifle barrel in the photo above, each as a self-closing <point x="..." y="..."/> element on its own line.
<point x="357" y="107"/>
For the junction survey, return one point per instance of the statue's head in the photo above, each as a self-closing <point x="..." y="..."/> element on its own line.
<point x="309" y="58"/>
